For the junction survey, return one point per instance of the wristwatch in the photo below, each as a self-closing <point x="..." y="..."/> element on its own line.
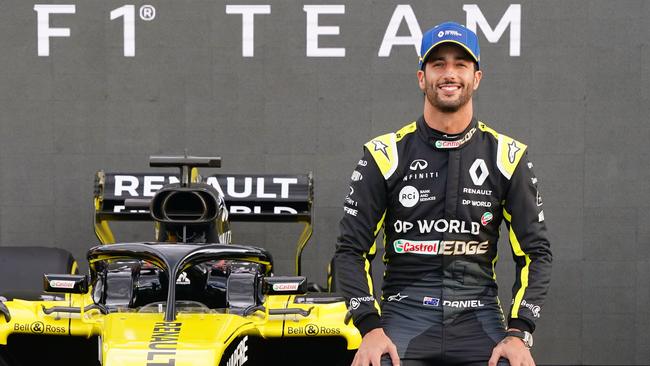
<point x="524" y="336"/>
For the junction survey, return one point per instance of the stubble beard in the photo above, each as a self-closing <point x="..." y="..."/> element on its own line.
<point x="448" y="106"/>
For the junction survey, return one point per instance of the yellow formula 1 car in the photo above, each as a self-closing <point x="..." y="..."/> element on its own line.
<point x="189" y="297"/>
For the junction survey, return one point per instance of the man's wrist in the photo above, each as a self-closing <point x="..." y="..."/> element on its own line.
<point x="368" y="323"/>
<point x="521" y="324"/>
<point x="525" y="337"/>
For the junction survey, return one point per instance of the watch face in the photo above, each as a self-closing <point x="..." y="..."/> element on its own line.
<point x="528" y="339"/>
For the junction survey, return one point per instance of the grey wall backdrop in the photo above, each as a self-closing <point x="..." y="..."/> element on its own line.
<point x="577" y="94"/>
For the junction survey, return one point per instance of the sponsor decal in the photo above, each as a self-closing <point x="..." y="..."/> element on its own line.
<point x="355" y="302"/>
<point x="402" y="226"/>
<point x="512" y="151"/>
<point x="486" y="218"/>
<point x="418" y="164"/>
<point x="183" y="279"/>
<point x="231" y="187"/>
<point x="40" y="328"/>
<point x="397" y="297"/>
<point x="409" y="196"/>
<point x="440" y="247"/>
<point x="426" y="247"/>
<point x="312" y="330"/>
<point x="163" y="343"/>
<point x="533" y="308"/>
<point x="356" y="176"/>
<point x="530" y="165"/>
<point x="463" y="304"/>
<point x="61" y="284"/>
<point x="239" y="357"/>
<point x="293" y="286"/>
<point x="351" y="191"/>
<point x="350" y="201"/>
<point x="453" y="144"/>
<point x="540" y="217"/>
<point x="350" y="211"/>
<point x="482" y="192"/>
<point x="539" y="199"/>
<point x="248" y="186"/>
<point x="451" y="247"/>
<point x="362" y="163"/>
<point x="476" y="203"/>
<point x="449" y="33"/>
<point x="430" y="301"/>
<point x="422" y="175"/>
<point x="478" y="179"/>
<point x="448" y="226"/>
<point x="425" y="195"/>
<point x="533" y="180"/>
<point x="380" y="146"/>
<point x="37" y="327"/>
<point x="440" y="225"/>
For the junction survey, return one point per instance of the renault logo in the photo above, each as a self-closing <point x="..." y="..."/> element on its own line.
<point x="418" y="164"/>
<point x="478" y="179"/>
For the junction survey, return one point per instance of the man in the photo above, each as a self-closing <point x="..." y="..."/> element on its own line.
<point x="440" y="187"/>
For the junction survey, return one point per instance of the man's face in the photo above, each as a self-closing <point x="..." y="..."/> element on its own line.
<point x="449" y="78"/>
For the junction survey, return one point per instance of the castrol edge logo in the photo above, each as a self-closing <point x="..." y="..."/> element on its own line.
<point x="427" y="247"/>
<point x="292" y="286"/>
<point x="440" y="247"/>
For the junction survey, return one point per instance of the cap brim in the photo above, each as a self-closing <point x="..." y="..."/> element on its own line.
<point x="423" y="58"/>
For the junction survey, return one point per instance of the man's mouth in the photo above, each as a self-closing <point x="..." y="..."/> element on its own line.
<point x="449" y="87"/>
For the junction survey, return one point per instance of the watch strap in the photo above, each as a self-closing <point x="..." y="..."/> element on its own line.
<point x="524" y="336"/>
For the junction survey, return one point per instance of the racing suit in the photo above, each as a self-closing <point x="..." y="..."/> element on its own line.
<point x="440" y="200"/>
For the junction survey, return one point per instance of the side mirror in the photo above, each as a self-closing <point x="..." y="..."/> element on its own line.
<point x="284" y="285"/>
<point x="65" y="283"/>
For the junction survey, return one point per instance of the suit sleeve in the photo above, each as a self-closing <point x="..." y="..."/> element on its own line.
<point x="530" y="246"/>
<point x="364" y="209"/>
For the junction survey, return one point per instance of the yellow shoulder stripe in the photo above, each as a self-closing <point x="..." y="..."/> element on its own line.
<point x="485" y="128"/>
<point x="384" y="150"/>
<point x="410" y="128"/>
<point x="509" y="151"/>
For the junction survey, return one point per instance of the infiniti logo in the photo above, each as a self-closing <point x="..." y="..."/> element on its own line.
<point x="418" y="164"/>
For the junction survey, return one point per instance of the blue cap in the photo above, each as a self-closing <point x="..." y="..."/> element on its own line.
<point x="449" y="32"/>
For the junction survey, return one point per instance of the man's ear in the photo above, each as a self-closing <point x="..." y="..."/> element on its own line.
<point x="478" y="75"/>
<point x="421" y="80"/>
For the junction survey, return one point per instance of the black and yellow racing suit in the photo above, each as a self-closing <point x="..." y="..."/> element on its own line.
<point x="440" y="200"/>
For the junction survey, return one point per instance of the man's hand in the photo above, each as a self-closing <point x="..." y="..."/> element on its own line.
<point x="513" y="349"/>
<point x="373" y="345"/>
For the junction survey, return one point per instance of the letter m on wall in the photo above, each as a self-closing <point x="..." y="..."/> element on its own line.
<point x="511" y="18"/>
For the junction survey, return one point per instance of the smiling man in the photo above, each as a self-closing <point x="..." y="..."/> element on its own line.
<point x="440" y="188"/>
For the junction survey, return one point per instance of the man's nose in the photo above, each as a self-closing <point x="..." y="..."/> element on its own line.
<point x="449" y="71"/>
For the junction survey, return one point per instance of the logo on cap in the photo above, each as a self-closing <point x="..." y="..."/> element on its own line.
<point x="450" y="32"/>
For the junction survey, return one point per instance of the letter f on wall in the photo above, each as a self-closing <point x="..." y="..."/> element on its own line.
<point x="43" y="25"/>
